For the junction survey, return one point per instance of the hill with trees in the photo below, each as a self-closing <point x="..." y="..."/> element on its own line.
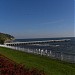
<point x="5" y="38"/>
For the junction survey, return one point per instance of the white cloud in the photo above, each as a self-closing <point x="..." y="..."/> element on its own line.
<point x="53" y="22"/>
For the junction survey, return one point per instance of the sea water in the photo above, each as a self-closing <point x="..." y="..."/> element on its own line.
<point x="64" y="50"/>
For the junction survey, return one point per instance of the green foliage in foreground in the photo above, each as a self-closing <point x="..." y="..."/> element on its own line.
<point x="50" y="66"/>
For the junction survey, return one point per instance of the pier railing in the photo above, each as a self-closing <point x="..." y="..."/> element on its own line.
<point x="45" y="52"/>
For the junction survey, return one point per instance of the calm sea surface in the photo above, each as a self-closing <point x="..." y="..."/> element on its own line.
<point x="65" y="47"/>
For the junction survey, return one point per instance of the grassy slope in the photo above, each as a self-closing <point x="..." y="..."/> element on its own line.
<point x="52" y="67"/>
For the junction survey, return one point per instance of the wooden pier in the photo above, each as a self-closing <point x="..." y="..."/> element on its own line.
<point x="34" y="42"/>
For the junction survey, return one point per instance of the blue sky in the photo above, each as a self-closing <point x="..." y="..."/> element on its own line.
<point x="37" y="18"/>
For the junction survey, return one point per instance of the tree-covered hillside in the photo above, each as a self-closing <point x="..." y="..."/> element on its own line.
<point x="5" y="38"/>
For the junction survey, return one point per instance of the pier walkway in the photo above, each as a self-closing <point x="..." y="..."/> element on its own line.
<point x="34" y="42"/>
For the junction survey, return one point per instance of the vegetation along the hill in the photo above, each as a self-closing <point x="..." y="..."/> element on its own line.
<point x="48" y="65"/>
<point x="5" y="38"/>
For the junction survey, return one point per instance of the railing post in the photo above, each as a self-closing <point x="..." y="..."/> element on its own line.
<point x="61" y="56"/>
